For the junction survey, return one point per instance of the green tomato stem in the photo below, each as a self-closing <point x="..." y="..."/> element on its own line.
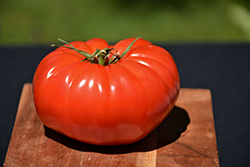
<point x="99" y="56"/>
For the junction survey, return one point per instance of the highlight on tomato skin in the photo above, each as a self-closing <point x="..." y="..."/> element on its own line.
<point x="105" y="95"/>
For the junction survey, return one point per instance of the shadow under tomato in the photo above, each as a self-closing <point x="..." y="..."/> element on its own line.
<point x="167" y="132"/>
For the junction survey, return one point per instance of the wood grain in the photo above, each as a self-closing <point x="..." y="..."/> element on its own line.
<point x="185" y="138"/>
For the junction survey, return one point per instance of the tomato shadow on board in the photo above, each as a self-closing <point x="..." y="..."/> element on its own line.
<point x="167" y="132"/>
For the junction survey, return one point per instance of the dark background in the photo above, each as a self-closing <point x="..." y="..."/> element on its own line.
<point x="221" y="67"/>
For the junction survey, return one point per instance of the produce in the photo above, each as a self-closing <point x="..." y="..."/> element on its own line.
<point x="106" y="95"/>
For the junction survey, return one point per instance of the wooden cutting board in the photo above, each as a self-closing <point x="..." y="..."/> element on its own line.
<point x="185" y="138"/>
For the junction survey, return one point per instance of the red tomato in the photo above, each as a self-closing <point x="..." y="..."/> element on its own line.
<point x="112" y="104"/>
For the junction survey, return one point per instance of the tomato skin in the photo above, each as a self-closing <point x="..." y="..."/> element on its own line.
<point x="116" y="104"/>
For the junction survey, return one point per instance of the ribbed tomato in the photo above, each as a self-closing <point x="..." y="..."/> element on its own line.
<point x="117" y="95"/>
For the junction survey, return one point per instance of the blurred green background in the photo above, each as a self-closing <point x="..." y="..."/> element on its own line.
<point x="43" y="21"/>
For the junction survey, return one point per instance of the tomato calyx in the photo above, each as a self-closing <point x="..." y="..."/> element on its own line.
<point x="99" y="56"/>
